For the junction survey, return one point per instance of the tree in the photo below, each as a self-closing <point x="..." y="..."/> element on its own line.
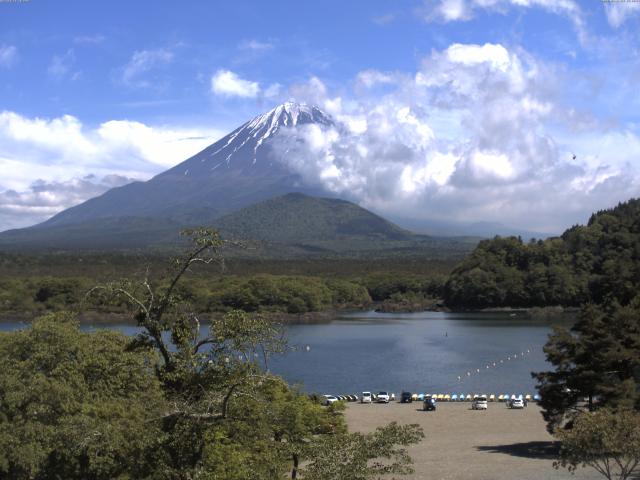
<point x="607" y="441"/>
<point x="227" y="417"/>
<point x="76" y="405"/>
<point x="358" y="456"/>
<point x="597" y="362"/>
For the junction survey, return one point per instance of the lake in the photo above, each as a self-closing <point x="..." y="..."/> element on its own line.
<point x="419" y="352"/>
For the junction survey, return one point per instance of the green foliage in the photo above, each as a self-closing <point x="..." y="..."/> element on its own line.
<point x="359" y="456"/>
<point x="76" y="405"/>
<point x="225" y="416"/>
<point x="297" y="218"/>
<point x="607" y="441"/>
<point x="597" y="360"/>
<point x="598" y="262"/>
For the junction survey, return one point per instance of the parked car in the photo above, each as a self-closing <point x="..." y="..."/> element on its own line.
<point x="429" y="403"/>
<point x="367" y="397"/>
<point x="479" y="403"/>
<point x="405" y="397"/>
<point x="329" y="399"/>
<point x="516" y="403"/>
<point x="382" y="397"/>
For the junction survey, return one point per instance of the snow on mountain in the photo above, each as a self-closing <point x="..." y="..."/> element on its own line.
<point x="242" y="145"/>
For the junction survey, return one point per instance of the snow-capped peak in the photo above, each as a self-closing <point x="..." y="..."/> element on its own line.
<point x="256" y="131"/>
<point x="289" y="114"/>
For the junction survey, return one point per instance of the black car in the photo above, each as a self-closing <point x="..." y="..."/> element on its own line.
<point x="429" y="403"/>
<point x="405" y="397"/>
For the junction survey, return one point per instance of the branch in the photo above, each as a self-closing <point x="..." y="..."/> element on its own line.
<point x="185" y="266"/>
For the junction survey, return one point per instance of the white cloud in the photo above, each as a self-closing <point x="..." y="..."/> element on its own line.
<point x="227" y="83"/>
<point x="273" y="90"/>
<point x="42" y="199"/>
<point x="67" y="154"/>
<point x="143" y="61"/>
<point x="479" y="132"/>
<point x="463" y="10"/>
<point x="8" y="55"/>
<point x="370" y="78"/>
<point x="61" y="66"/>
<point x="619" y="12"/>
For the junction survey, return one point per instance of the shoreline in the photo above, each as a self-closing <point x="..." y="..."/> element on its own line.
<point x="307" y="318"/>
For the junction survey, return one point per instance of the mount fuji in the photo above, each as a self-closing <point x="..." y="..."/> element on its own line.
<point x="238" y="185"/>
<point x="226" y="186"/>
<point x="236" y="171"/>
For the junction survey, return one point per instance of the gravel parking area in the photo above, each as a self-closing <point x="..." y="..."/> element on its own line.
<point x="461" y="443"/>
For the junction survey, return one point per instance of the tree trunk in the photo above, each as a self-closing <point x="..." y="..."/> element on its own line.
<point x="294" y="470"/>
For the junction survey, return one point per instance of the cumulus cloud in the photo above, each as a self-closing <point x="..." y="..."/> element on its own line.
<point x="229" y="84"/>
<point x="476" y="134"/>
<point x="8" y="55"/>
<point x="85" y="159"/>
<point x="226" y="83"/>
<point x="143" y="61"/>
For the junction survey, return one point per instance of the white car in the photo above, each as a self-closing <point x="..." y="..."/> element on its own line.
<point x="479" y="403"/>
<point x="516" y="403"/>
<point x="366" y="397"/>
<point x="383" y="397"/>
<point x="329" y="399"/>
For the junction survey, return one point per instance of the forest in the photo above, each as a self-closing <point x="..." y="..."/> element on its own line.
<point x="597" y="262"/>
<point x="32" y="285"/>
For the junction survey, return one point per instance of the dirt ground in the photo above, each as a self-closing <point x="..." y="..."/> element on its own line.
<point x="461" y="443"/>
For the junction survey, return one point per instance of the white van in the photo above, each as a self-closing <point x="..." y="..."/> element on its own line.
<point x="366" y="397"/>
<point x="479" y="403"/>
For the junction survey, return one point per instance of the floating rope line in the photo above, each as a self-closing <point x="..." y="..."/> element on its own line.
<point x="496" y="364"/>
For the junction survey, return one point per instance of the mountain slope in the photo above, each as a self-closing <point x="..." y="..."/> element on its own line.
<point x="295" y="218"/>
<point x="297" y="225"/>
<point x="238" y="170"/>
<point x="290" y="226"/>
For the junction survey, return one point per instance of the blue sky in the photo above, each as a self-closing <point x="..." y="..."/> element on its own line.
<point x="94" y="94"/>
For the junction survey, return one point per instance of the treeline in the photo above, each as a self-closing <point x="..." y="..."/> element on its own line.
<point x="595" y="263"/>
<point x="255" y="293"/>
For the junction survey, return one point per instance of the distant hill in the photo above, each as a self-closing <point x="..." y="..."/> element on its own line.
<point x="295" y="218"/>
<point x="296" y="225"/>
<point x="292" y="225"/>
<point x="475" y="229"/>
<point x="596" y="262"/>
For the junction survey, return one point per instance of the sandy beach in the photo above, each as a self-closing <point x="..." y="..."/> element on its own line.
<point x="462" y="443"/>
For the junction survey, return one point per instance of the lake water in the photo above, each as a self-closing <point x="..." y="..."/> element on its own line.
<point x="419" y="352"/>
